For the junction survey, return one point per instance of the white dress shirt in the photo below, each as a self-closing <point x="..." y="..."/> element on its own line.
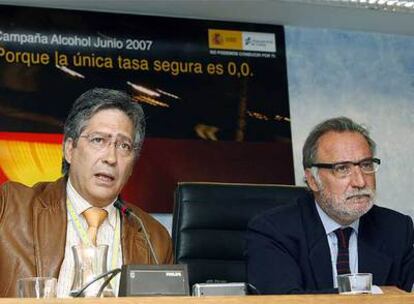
<point x="105" y="236"/>
<point x="330" y="226"/>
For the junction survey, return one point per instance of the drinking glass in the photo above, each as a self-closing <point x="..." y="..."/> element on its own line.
<point x="37" y="287"/>
<point x="356" y="283"/>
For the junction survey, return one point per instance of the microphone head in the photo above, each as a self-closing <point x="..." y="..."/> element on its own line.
<point x="120" y="206"/>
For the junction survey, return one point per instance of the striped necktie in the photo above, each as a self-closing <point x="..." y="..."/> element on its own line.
<point x="342" y="260"/>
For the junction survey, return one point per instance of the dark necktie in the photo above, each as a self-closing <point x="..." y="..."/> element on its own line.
<point x="342" y="261"/>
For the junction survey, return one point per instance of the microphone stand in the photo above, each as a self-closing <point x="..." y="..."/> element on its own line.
<point x="129" y="213"/>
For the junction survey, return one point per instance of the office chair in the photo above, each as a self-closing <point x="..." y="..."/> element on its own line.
<point x="209" y="224"/>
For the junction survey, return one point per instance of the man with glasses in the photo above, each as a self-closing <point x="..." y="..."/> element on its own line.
<point x="39" y="225"/>
<point x="334" y="229"/>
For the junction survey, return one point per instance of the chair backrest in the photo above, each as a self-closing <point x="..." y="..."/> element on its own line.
<point x="210" y="221"/>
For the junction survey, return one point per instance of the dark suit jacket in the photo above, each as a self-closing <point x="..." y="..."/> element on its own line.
<point x="33" y="234"/>
<point x="288" y="251"/>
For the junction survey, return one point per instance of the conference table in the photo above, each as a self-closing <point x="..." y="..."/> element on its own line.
<point x="391" y="295"/>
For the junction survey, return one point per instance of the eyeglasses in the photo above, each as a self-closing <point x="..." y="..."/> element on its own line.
<point x="344" y="169"/>
<point x="100" y="141"/>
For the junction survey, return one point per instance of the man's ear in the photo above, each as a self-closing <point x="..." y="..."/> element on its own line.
<point x="310" y="179"/>
<point x="68" y="149"/>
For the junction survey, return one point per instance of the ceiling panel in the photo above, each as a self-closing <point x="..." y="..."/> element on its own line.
<point x="342" y="14"/>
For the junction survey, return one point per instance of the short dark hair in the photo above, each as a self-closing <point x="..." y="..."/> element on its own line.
<point x="95" y="100"/>
<point x="338" y="124"/>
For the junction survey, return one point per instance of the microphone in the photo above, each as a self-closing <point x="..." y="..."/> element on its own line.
<point x="128" y="213"/>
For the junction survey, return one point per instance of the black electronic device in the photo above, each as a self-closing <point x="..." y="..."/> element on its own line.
<point x="154" y="280"/>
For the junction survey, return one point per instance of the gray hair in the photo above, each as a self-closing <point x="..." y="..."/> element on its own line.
<point x="338" y="124"/>
<point x="95" y="100"/>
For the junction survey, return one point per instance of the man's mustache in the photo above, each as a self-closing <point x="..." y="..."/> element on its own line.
<point x="360" y="192"/>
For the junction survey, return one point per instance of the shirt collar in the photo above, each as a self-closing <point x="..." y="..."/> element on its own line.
<point x="331" y="225"/>
<point x="80" y="204"/>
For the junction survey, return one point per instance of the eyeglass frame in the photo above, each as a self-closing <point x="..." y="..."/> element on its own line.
<point x="375" y="161"/>
<point x="108" y="137"/>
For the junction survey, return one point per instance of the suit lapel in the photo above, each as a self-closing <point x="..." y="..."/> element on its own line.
<point x="134" y="247"/>
<point x="371" y="256"/>
<point x="320" y="259"/>
<point x="49" y="229"/>
<point x="319" y="252"/>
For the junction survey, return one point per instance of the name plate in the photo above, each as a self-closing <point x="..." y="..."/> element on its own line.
<point x="154" y="280"/>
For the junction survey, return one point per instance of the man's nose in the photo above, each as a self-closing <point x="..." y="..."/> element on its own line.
<point x="110" y="155"/>
<point x="358" y="177"/>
